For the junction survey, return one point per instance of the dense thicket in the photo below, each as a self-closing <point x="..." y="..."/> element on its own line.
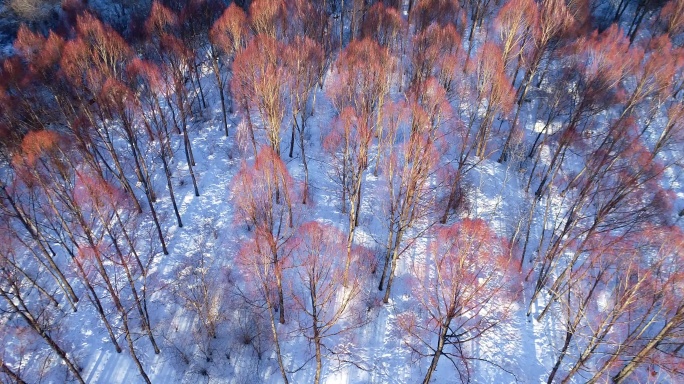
<point x="99" y="114"/>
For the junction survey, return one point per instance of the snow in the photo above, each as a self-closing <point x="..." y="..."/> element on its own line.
<point x="541" y="126"/>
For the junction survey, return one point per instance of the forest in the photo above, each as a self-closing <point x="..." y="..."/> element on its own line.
<point x="331" y="191"/>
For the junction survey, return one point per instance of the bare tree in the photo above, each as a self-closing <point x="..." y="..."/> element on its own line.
<point x="465" y="289"/>
<point x="228" y="36"/>
<point x="326" y="304"/>
<point x="265" y="198"/>
<point x="410" y="165"/>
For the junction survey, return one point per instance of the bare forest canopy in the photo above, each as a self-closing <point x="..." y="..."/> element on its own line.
<point x="388" y="111"/>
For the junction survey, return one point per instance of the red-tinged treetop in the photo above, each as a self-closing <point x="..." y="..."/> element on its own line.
<point x="13" y="73"/>
<point x="436" y="52"/>
<point x="348" y="134"/>
<point x="269" y="17"/>
<point x="385" y="25"/>
<point x="41" y="154"/>
<point x="361" y="79"/>
<point x="517" y="27"/>
<point x="97" y="49"/>
<point x="490" y="80"/>
<point x="161" y="20"/>
<point x="600" y="64"/>
<point x="264" y="191"/>
<point x="580" y="12"/>
<point x="90" y="190"/>
<point x="319" y="254"/>
<point x="306" y="18"/>
<point x="116" y="95"/>
<point x="655" y="68"/>
<point x="231" y="31"/>
<point x="442" y="12"/>
<point x="465" y="288"/>
<point x="672" y="17"/>
<point x="141" y="71"/>
<point x="316" y="243"/>
<point x="262" y="54"/>
<point x="473" y="267"/>
<point x="105" y="44"/>
<point x="37" y="143"/>
<point x="257" y="266"/>
<point x="303" y="61"/>
<point x="432" y="98"/>
<point x="556" y="20"/>
<point x="28" y="43"/>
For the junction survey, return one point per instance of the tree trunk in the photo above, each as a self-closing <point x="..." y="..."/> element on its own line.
<point x="530" y="218"/>
<point x="395" y="257"/>
<point x="301" y="130"/>
<point x="506" y="147"/>
<point x="220" y="83"/>
<point x="123" y="313"/>
<point x="627" y="370"/>
<point x="638" y="18"/>
<point x="292" y="139"/>
<point x="276" y="341"/>
<point x="189" y="159"/>
<point x="250" y="127"/>
<point x="388" y="255"/>
<point x="342" y="25"/>
<point x="149" y="200"/>
<point x="455" y="186"/>
<point x="483" y="133"/>
<point x="620" y="9"/>
<point x="199" y="83"/>
<point x="131" y="348"/>
<point x="131" y="244"/>
<point x="316" y="331"/>
<point x="32" y="229"/>
<point x="173" y="114"/>
<point x="96" y="300"/>
<point x="33" y="281"/>
<point x="169" y="184"/>
<point x="143" y="318"/>
<point x="9" y="372"/>
<point x="119" y="174"/>
<point x="564" y="350"/>
<point x="98" y="305"/>
<point x="279" y="283"/>
<point x="438" y="352"/>
<point x="36" y="326"/>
